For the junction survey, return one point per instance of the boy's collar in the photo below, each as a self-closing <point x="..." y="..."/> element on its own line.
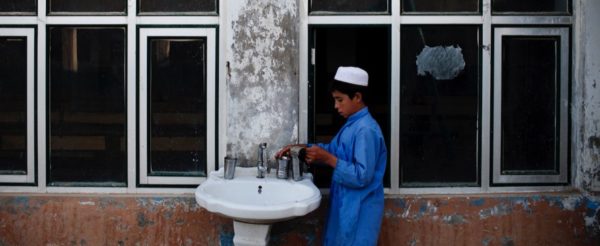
<point x="358" y="114"/>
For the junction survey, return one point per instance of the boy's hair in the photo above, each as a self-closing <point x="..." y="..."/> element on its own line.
<point x="349" y="89"/>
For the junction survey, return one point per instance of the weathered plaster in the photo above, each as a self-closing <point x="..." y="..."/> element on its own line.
<point x="500" y="219"/>
<point x="586" y="98"/>
<point x="262" y="43"/>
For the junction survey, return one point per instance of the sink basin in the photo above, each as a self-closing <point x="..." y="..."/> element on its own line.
<point x="259" y="201"/>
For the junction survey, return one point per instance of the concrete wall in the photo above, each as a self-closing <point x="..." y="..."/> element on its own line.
<point x="586" y="98"/>
<point x="544" y="219"/>
<point x="262" y="51"/>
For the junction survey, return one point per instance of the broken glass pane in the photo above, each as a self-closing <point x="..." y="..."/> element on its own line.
<point x="349" y="6"/>
<point x="176" y="7"/>
<point x="13" y="105"/>
<point x="436" y="6"/>
<point x="177" y="103"/>
<point x="439" y="105"/>
<point x="529" y="104"/>
<point x="531" y="6"/>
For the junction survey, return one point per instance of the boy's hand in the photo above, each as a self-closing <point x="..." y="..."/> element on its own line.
<point x="316" y="154"/>
<point x="286" y="150"/>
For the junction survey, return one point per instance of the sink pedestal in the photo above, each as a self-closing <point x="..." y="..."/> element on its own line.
<point x="246" y="234"/>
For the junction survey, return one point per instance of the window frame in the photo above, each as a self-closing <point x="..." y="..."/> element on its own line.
<point x="396" y="19"/>
<point x="30" y="33"/>
<point x="40" y="21"/>
<point x="563" y="84"/>
<point x="144" y="34"/>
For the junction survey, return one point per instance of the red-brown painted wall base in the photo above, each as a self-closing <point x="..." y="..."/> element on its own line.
<point x="544" y="219"/>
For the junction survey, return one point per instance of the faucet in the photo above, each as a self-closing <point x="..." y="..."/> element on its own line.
<point x="261" y="166"/>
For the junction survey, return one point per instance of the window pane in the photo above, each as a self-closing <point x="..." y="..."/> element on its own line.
<point x="365" y="47"/>
<point x="87" y="105"/>
<point x="531" y="6"/>
<point x="13" y="105"/>
<point x="446" y="6"/>
<point x="87" y="6"/>
<point x="164" y="7"/>
<point x="439" y="96"/>
<point x="18" y="7"/>
<point x="529" y="81"/>
<point x="177" y="106"/>
<point x="349" y="6"/>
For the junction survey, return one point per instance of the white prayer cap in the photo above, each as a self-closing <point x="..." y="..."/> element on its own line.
<point x="352" y="75"/>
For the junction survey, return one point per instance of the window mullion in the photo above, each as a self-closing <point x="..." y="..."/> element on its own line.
<point x="395" y="101"/>
<point x="41" y="97"/>
<point x="131" y="96"/>
<point x="485" y="115"/>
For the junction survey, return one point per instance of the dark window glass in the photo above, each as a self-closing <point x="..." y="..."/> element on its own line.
<point x="77" y="7"/>
<point x="439" y="98"/>
<point x="86" y="98"/>
<point x="365" y="47"/>
<point x="531" y="6"/>
<point x="349" y="6"/>
<point x="18" y="7"/>
<point x="165" y="7"/>
<point x="13" y="105"/>
<point x="446" y="6"/>
<point x="177" y="106"/>
<point x="529" y="105"/>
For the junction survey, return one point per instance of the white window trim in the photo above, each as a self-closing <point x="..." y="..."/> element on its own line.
<point x="395" y="20"/>
<point x="145" y="33"/>
<point x="563" y="33"/>
<point x="29" y="33"/>
<point x="132" y="21"/>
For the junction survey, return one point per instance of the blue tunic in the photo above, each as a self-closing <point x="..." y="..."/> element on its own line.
<point x="356" y="194"/>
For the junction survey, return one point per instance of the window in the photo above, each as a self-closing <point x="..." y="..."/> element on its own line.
<point x="439" y="97"/>
<point x="534" y="7"/>
<point x="17" y="136"/>
<point x="18" y="7"/>
<point x="88" y="7"/>
<point x="349" y="7"/>
<point x="531" y="78"/>
<point x="86" y="105"/>
<point x="367" y="47"/>
<point x="94" y="98"/>
<point x="440" y="7"/>
<point x="177" y="73"/>
<point x="459" y="112"/>
<point x="177" y="7"/>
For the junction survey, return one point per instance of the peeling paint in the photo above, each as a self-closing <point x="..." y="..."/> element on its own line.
<point x="478" y="202"/>
<point x="443" y="63"/>
<point x="143" y="221"/>
<point x="507" y="241"/>
<point x="263" y="88"/>
<point x="455" y="219"/>
<point x="498" y="210"/>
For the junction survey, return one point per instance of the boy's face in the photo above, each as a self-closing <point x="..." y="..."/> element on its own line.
<point x="345" y="105"/>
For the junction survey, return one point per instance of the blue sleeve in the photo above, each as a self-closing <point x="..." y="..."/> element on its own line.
<point x="359" y="171"/>
<point x="324" y="146"/>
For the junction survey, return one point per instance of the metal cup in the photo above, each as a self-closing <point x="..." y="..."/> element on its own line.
<point x="282" y="168"/>
<point x="229" y="165"/>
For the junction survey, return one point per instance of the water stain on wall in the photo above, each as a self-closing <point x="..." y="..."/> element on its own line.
<point x="263" y="88"/>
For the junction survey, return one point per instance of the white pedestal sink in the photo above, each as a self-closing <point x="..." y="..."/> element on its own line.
<point x="254" y="204"/>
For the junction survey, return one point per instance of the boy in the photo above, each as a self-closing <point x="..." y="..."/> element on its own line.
<point x="358" y="157"/>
